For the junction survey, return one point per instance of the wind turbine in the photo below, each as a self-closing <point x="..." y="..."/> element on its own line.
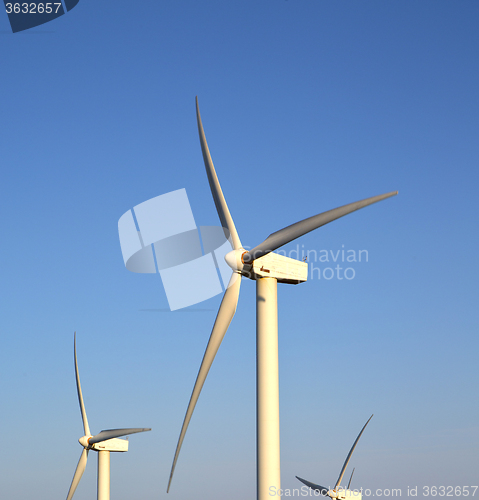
<point x="268" y="269"/>
<point x="338" y="491"/>
<point x="104" y="443"/>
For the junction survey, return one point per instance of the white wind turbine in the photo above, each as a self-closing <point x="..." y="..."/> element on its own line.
<point x="104" y="443"/>
<point x="338" y="491"/>
<point x="267" y="268"/>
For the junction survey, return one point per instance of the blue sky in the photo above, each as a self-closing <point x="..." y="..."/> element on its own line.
<point x="307" y="105"/>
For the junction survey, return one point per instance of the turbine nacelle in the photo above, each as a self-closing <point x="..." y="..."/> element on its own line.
<point x="339" y="493"/>
<point x="114" y="445"/>
<point x="271" y="265"/>
<point x="342" y="494"/>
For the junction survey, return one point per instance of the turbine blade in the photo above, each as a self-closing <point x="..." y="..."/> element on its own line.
<point x="290" y="233"/>
<point x="223" y="319"/>
<point x="114" y="433"/>
<point x="343" y="470"/>
<point x="349" y="484"/>
<point x="86" y="429"/>
<point x="219" y="199"/>
<point x="78" y="473"/>
<point x="322" y="489"/>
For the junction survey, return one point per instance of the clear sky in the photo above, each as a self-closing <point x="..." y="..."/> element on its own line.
<point x="307" y="105"/>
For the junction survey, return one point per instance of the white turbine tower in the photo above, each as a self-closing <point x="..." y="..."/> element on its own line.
<point x="103" y="443"/>
<point x="267" y="268"/>
<point x="338" y="491"/>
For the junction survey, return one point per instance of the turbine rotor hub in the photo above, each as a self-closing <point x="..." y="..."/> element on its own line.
<point x="234" y="259"/>
<point x="84" y="441"/>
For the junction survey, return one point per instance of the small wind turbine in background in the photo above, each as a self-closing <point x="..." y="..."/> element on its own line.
<point x="338" y="491"/>
<point x="267" y="269"/>
<point x="103" y="443"/>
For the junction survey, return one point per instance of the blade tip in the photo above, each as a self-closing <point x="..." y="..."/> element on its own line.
<point x="391" y="193"/>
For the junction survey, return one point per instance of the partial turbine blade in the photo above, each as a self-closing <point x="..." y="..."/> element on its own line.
<point x="290" y="233"/>
<point x="86" y="429"/>
<point x="343" y="470"/>
<point x="223" y="319"/>
<point x="78" y="473"/>
<point x="349" y="484"/>
<point x="114" y="433"/>
<point x="322" y="489"/>
<point x="221" y="206"/>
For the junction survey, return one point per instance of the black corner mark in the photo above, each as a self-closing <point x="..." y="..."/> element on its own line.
<point x="69" y="4"/>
